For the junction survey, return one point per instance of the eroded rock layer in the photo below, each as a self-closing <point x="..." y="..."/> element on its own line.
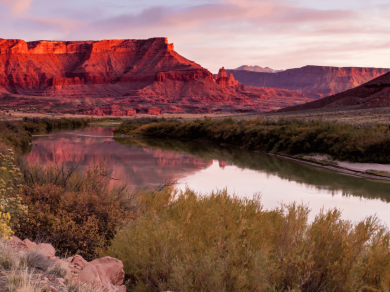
<point x="375" y="93"/>
<point x="120" y="77"/>
<point x="312" y="81"/>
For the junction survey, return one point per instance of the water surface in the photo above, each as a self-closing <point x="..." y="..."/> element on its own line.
<point x="205" y="167"/>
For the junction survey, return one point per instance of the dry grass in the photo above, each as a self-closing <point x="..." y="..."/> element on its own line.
<point x="359" y="117"/>
<point x="20" y="280"/>
<point x="60" y="269"/>
<point x="26" y="271"/>
<point x="36" y="259"/>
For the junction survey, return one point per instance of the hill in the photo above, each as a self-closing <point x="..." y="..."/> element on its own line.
<point x="375" y="93"/>
<point x="312" y="81"/>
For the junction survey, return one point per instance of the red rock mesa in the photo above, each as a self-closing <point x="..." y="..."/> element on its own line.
<point x="312" y="81"/>
<point x="120" y="77"/>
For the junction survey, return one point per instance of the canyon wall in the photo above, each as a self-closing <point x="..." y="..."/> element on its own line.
<point x="375" y="93"/>
<point x="313" y="81"/>
<point x="121" y="77"/>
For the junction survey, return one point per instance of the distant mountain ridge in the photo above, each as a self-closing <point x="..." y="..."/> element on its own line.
<point x="312" y="81"/>
<point x="258" y="69"/>
<point x="375" y="93"/>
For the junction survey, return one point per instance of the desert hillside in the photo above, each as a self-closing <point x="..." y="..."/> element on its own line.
<point x="312" y="81"/>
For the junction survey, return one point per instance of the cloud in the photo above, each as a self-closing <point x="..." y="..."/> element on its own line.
<point x="275" y="33"/>
<point x="16" y="6"/>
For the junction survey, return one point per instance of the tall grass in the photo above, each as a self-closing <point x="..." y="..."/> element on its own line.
<point x="188" y="242"/>
<point x="344" y="142"/>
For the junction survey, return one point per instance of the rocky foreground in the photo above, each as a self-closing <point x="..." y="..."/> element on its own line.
<point x="44" y="271"/>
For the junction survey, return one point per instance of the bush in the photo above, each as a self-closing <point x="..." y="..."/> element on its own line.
<point x="187" y="242"/>
<point x="11" y="208"/>
<point x="77" y="212"/>
<point x="344" y="142"/>
<point x="36" y="259"/>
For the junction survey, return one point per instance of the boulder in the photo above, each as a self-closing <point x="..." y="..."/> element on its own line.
<point x="79" y="261"/>
<point x="29" y="244"/>
<point x="113" y="269"/>
<point x="15" y="239"/>
<point x="47" y="249"/>
<point x="96" y="276"/>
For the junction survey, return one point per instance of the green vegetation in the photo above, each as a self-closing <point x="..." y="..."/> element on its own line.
<point x="75" y="211"/>
<point x="18" y="134"/>
<point x="291" y="137"/>
<point x="189" y="242"/>
<point x="11" y="208"/>
<point x="378" y="172"/>
<point x="184" y="241"/>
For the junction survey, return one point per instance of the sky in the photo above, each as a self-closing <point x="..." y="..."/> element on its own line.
<point x="280" y="34"/>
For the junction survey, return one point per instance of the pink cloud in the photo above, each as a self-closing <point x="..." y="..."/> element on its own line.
<point x="16" y="6"/>
<point x="275" y="33"/>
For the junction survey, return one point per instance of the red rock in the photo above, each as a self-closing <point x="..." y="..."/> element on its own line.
<point x="15" y="239"/>
<point x="118" y="77"/>
<point x="29" y="244"/>
<point x="131" y="112"/>
<point x="369" y="95"/>
<point x="78" y="260"/>
<point x="47" y="249"/>
<point x="313" y="81"/>
<point x="104" y="273"/>
<point x="113" y="269"/>
<point x="154" y="111"/>
<point x="224" y="81"/>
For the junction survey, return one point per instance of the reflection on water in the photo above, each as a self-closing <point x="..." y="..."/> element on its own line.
<point x="138" y="166"/>
<point x="206" y="167"/>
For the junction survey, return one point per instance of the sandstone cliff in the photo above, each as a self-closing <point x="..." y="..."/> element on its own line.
<point x="313" y="81"/>
<point x="375" y="93"/>
<point x="118" y="77"/>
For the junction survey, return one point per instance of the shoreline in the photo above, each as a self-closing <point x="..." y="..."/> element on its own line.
<point x="336" y="168"/>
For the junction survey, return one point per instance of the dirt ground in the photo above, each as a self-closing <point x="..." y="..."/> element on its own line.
<point x="343" y="116"/>
<point x="356" y="117"/>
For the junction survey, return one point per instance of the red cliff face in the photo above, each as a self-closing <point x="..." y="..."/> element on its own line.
<point x="375" y="93"/>
<point x="37" y="67"/>
<point x="89" y="77"/>
<point x="313" y="81"/>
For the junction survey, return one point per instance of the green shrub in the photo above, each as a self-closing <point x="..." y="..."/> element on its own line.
<point x="75" y="211"/>
<point x="11" y="208"/>
<point x="188" y="242"/>
<point x="344" y="142"/>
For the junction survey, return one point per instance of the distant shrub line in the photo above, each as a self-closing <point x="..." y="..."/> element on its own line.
<point x="291" y="137"/>
<point x="18" y="134"/>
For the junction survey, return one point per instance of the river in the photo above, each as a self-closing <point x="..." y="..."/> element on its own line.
<point x="205" y="167"/>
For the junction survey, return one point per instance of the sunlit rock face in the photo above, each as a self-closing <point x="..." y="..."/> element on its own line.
<point x="227" y="82"/>
<point x="373" y="94"/>
<point x="138" y="166"/>
<point x="91" y="77"/>
<point x="312" y="81"/>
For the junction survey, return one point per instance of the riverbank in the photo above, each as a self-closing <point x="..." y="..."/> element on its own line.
<point x="354" y="150"/>
<point x="369" y="144"/>
<point x="364" y="170"/>
<point x="18" y="134"/>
